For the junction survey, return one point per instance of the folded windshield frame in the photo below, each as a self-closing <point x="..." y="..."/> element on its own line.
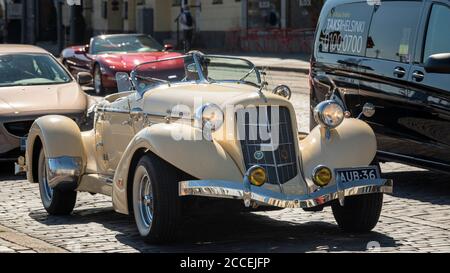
<point x="201" y="76"/>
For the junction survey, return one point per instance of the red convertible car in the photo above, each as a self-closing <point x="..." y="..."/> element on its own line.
<point x="108" y="54"/>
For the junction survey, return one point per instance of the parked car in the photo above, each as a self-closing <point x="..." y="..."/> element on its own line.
<point x="396" y="56"/>
<point x="34" y="84"/>
<point x="210" y="129"/>
<point x="108" y="54"/>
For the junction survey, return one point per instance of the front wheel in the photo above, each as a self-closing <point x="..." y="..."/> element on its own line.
<point x="56" y="202"/>
<point x="156" y="204"/>
<point x="359" y="213"/>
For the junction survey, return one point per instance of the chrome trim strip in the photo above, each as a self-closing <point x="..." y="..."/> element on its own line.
<point x="118" y="111"/>
<point x="25" y="117"/>
<point x="112" y="110"/>
<point x="64" y="172"/>
<point x="248" y="193"/>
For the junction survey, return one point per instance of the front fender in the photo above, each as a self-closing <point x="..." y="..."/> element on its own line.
<point x="195" y="156"/>
<point x="352" y="144"/>
<point x="60" y="137"/>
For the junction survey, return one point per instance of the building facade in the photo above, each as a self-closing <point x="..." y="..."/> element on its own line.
<point x="249" y="25"/>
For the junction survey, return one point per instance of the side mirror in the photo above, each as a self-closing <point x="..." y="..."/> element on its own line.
<point x="168" y="47"/>
<point x="82" y="49"/>
<point x="192" y="68"/>
<point x="123" y="82"/>
<point x="283" y="91"/>
<point x="84" y="78"/>
<point x="438" y="63"/>
<point x="368" y="111"/>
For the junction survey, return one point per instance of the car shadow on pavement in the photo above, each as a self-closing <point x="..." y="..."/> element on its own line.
<point x="238" y="232"/>
<point x="425" y="186"/>
<point x="255" y="232"/>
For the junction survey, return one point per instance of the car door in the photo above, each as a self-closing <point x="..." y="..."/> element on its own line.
<point x="384" y="73"/>
<point x="115" y="130"/>
<point x="430" y="92"/>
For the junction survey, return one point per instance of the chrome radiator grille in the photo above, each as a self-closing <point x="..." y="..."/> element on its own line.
<point x="279" y="158"/>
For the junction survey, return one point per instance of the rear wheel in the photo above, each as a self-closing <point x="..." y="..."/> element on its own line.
<point x="359" y="213"/>
<point x="156" y="204"/>
<point x="56" y="202"/>
<point x="98" y="82"/>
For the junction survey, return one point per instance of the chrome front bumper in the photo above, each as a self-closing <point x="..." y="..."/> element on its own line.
<point x="249" y="193"/>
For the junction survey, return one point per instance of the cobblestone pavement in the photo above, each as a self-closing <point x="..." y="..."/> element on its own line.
<point x="416" y="218"/>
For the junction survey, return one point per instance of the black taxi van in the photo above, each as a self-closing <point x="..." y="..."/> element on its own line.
<point x="394" y="55"/>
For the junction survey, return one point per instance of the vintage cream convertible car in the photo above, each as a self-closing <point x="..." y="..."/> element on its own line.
<point x="198" y="129"/>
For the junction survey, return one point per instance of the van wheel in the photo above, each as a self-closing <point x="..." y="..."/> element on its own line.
<point x="156" y="204"/>
<point x="359" y="213"/>
<point x="56" y="202"/>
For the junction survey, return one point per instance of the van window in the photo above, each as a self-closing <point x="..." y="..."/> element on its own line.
<point x="344" y="30"/>
<point x="392" y="30"/>
<point x="437" y="40"/>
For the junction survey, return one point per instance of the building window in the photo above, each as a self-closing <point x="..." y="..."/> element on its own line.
<point x="215" y="2"/>
<point x="125" y="10"/>
<point x="264" y="13"/>
<point x="303" y="14"/>
<point x="178" y="2"/>
<point x="104" y="9"/>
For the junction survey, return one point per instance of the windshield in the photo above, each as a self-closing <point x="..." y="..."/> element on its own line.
<point x="224" y="69"/>
<point x="31" y="69"/>
<point x="125" y="44"/>
<point x="195" y="68"/>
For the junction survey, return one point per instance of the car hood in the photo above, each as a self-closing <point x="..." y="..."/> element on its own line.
<point x="164" y="99"/>
<point x="127" y="61"/>
<point x="39" y="100"/>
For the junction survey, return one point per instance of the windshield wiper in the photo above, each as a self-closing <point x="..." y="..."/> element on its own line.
<point x="152" y="79"/>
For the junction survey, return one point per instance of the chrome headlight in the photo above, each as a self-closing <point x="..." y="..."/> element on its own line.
<point x="329" y="114"/>
<point x="210" y="116"/>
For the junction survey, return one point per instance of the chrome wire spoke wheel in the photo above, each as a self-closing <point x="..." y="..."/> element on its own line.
<point x="45" y="190"/>
<point x="143" y="200"/>
<point x="146" y="202"/>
